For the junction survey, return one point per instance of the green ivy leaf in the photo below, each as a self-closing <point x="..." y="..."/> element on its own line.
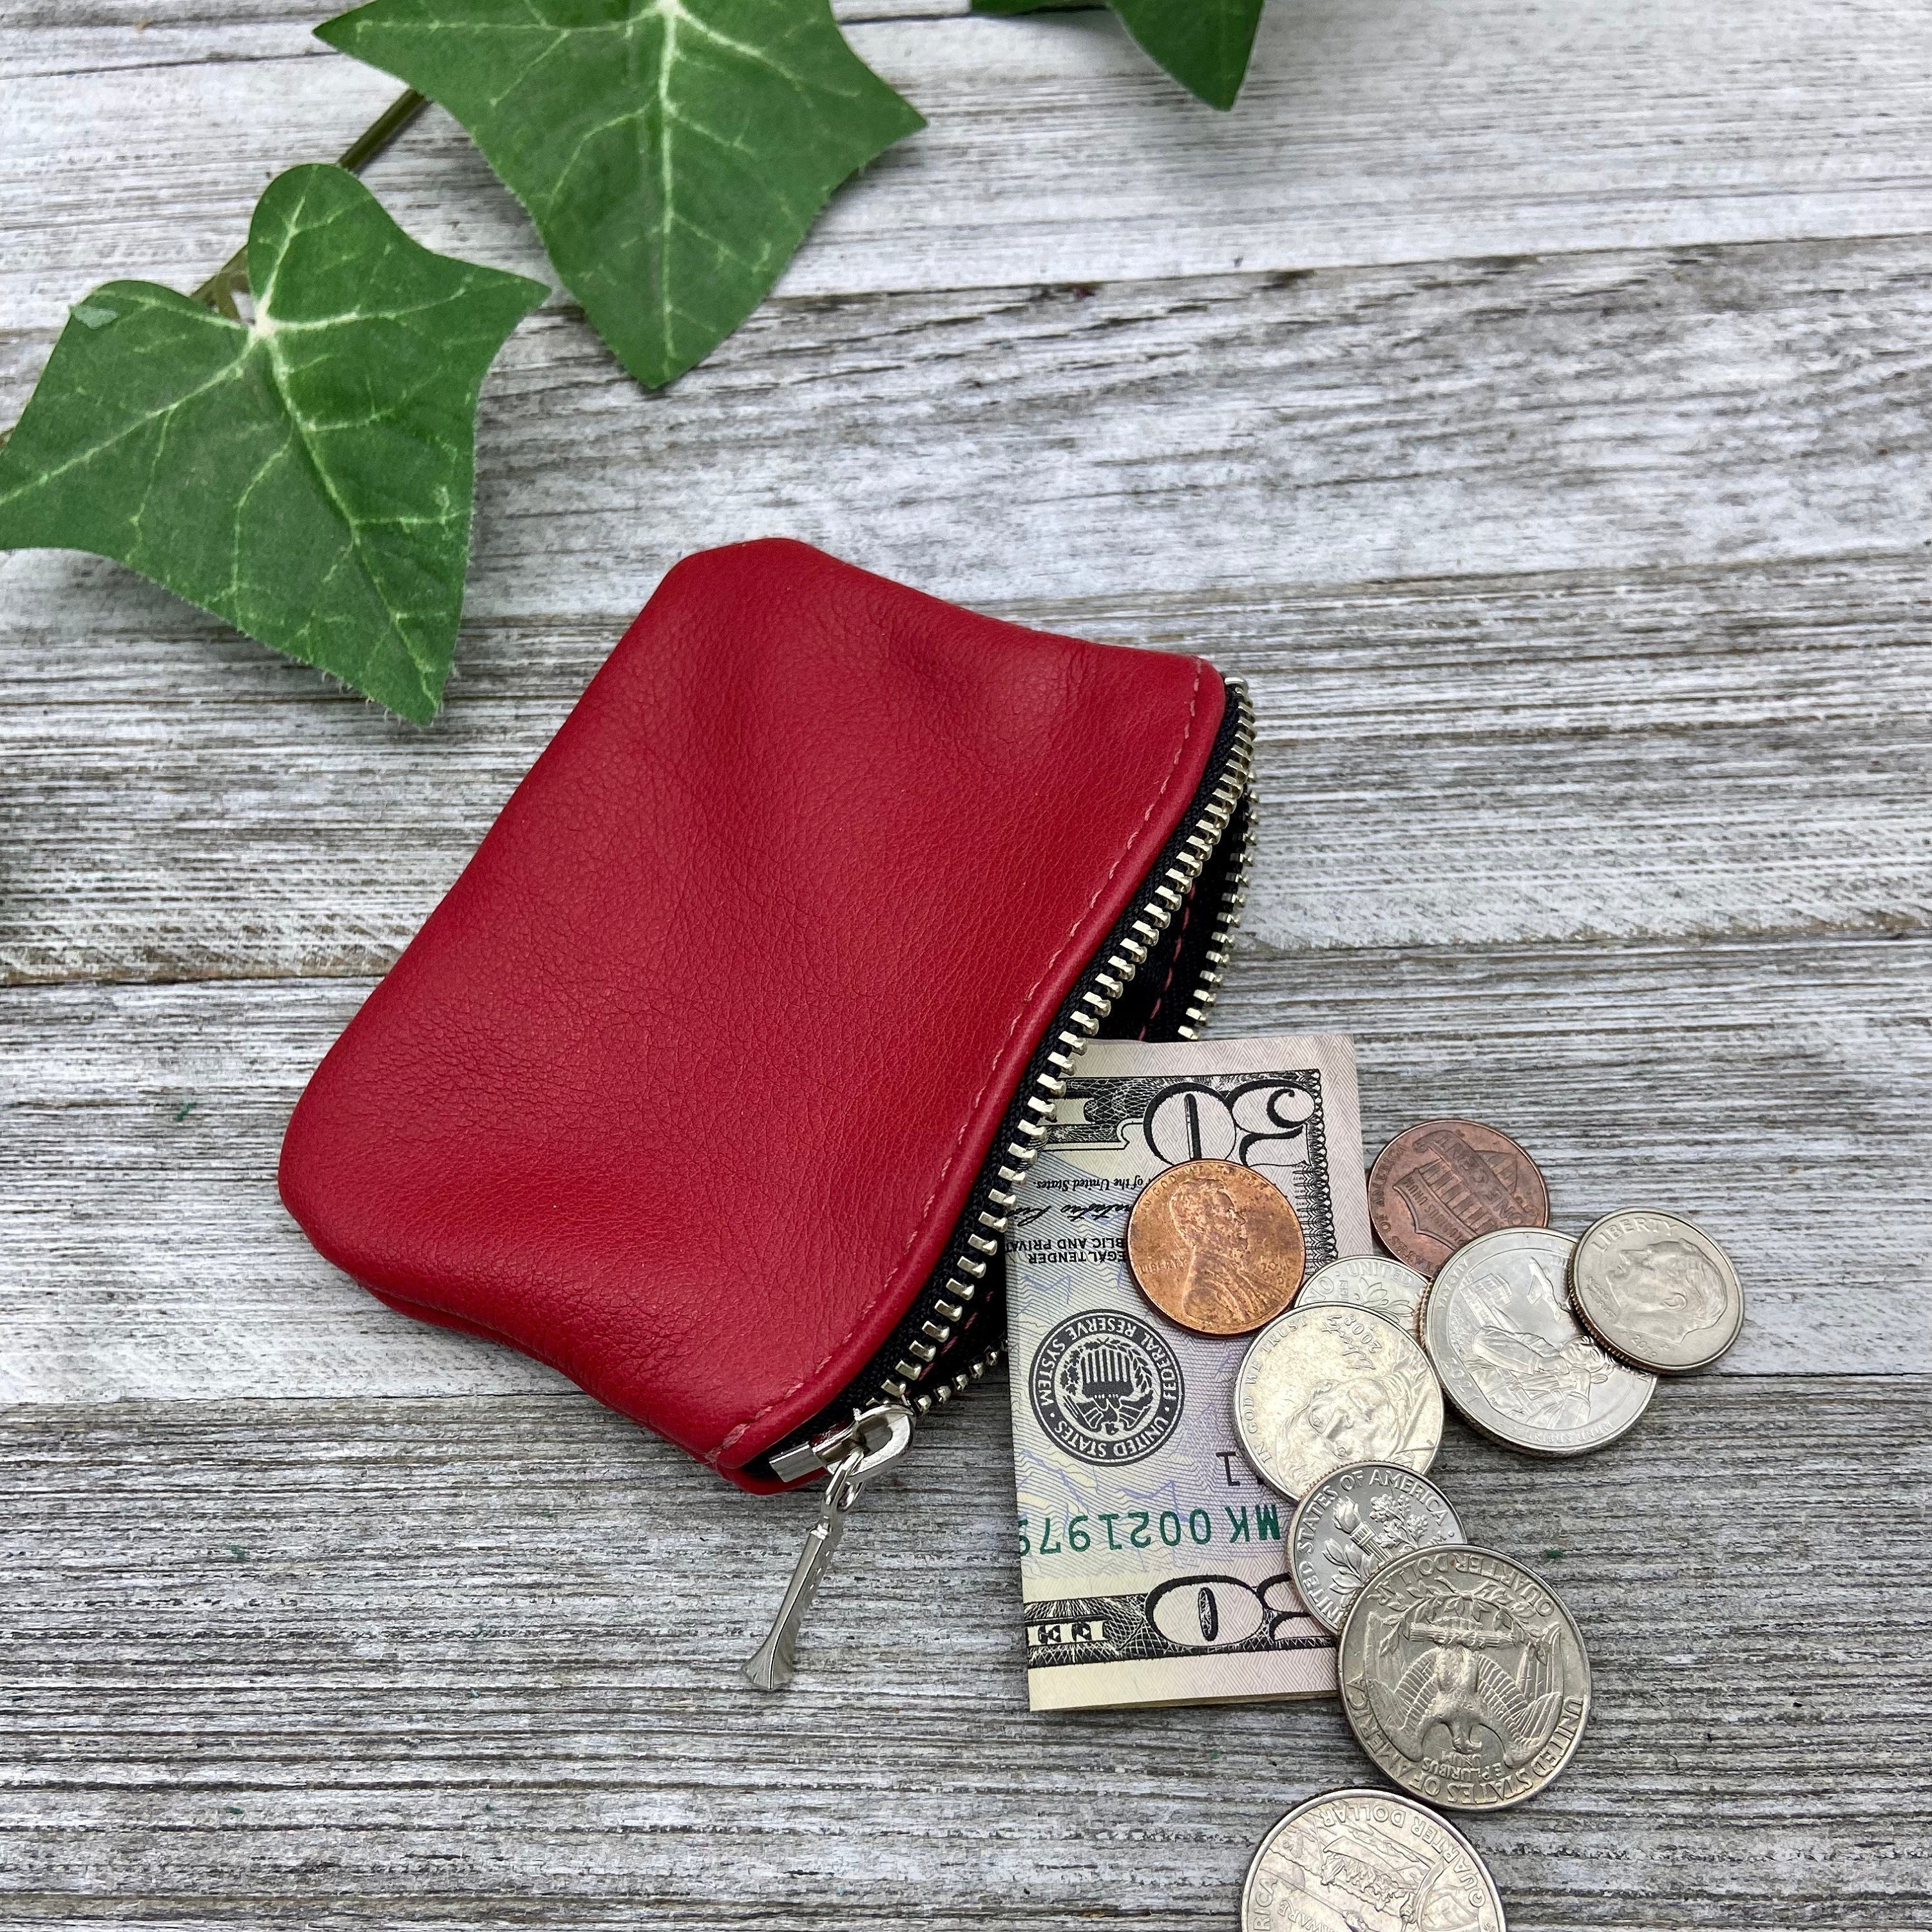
<point x="307" y="475"/>
<point x="1203" y="43"/>
<point x="672" y="153"/>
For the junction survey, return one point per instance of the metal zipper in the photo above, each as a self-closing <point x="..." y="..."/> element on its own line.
<point x="881" y="1430"/>
<point x="854" y="1455"/>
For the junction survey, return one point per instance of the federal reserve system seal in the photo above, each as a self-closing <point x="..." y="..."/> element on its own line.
<point x="1322" y="1387"/>
<point x="1463" y="1677"/>
<point x="1656" y="1290"/>
<point x="1106" y="1387"/>
<point x="1514" y="1359"/>
<point x="1373" y="1282"/>
<point x="1372" y="1860"/>
<point x="1352" y="1523"/>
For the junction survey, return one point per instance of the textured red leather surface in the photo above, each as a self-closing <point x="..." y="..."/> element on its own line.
<point x="683" y="1085"/>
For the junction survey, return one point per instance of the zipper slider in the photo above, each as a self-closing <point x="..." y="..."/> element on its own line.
<point x="854" y="1455"/>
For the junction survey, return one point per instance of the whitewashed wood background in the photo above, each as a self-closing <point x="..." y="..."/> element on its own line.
<point x="1531" y="397"/>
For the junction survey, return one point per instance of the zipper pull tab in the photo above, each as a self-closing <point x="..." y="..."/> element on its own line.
<point x="854" y="1455"/>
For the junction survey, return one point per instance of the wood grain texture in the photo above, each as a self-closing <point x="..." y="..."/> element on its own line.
<point x="1776" y="1092"/>
<point x="1633" y="755"/>
<point x="473" y="1663"/>
<point x="1591" y="744"/>
<point x="1645" y="410"/>
<point x="1416" y="130"/>
<point x="1530" y="400"/>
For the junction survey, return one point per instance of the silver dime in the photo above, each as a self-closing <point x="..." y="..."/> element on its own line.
<point x="1373" y="1282"/>
<point x="1514" y="1359"/>
<point x="1322" y="1387"/>
<point x="1351" y="1523"/>
<point x="1656" y="1290"/>
<point x="1464" y="1676"/>
<point x="1372" y="1860"/>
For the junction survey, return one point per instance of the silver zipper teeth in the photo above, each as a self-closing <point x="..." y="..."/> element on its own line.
<point x="1115" y="975"/>
<point x="1227" y="920"/>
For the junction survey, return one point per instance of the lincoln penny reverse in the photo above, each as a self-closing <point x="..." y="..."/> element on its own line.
<point x="1438" y="1186"/>
<point x="1215" y="1246"/>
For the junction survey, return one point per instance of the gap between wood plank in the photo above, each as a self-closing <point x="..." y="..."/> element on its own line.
<point x="1058" y="150"/>
<point x="397" y="1664"/>
<point x="1777" y="1093"/>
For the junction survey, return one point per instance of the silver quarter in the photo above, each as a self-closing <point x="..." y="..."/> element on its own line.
<point x="1373" y="1282"/>
<point x="1464" y="1677"/>
<point x="1352" y="1523"/>
<point x="1514" y="1359"/>
<point x="1322" y="1387"/>
<point x="1656" y="1290"/>
<point x="1370" y="1859"/>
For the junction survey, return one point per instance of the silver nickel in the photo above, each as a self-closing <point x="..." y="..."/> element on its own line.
<point x="1351" y="1523"/>
<point x="1320" y="1387"/>
<point x="1370" y="1859"/>
<point x="1514" y="1359"/>
<point x="1464" y="1677"/>
<point x="1373" y="1282"/>
<point x="1657" y="1290"/>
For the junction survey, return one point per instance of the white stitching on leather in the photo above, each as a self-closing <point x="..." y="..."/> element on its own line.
<point x="716" y="1458"/>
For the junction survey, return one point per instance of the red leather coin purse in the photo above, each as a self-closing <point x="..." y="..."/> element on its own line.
<point x="710" y="1080"/>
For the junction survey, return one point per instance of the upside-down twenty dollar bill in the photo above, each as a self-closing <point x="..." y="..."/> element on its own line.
<point x="1152" y="1558"/>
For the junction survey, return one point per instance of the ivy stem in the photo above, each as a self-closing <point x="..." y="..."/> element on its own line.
<point x="228" y="280"/>
<point x="381" y="131"/>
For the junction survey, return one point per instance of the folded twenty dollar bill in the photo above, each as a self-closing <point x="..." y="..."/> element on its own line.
<point x="1152" y="1558"/>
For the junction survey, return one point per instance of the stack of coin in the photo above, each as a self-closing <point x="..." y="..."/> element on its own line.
<point x="1546" y="1343"/>
<point x="1463" y="1675"/>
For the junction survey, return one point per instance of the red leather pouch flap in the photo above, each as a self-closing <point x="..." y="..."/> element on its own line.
<point x="701" y="1083"/>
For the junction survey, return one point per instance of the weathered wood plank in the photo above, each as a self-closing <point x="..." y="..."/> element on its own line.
<point x="140" y="17"/>
<point x="1776" y="1091"/>
<point x="1209" y="434"/>
<point x="1632" y="755"/>
<point x="1584" y="600"/>
<point x="473" y="1663"/>
<point x="1414" y="131"/>
<point x="1490" y="769"/>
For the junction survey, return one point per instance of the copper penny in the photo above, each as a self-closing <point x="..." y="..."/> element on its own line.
<point x="1438" y="1185"/>
<point x="1216" y="1246"/>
